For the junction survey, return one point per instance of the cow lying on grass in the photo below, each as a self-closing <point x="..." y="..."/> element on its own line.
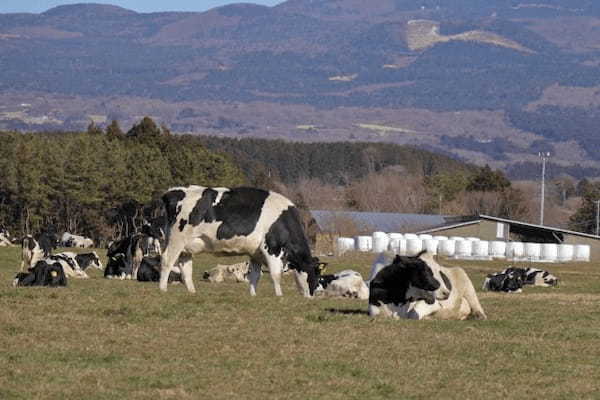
<point x="418" y="288"/>
<point x="508" y="282"/>
<point x="228" y="272"/>
<point x="346" y="283"/>
<point x="149" y="271"/>
<point x="42" y="274"/>
<point x="513" y="276"/>
<point x="261" y="224"/>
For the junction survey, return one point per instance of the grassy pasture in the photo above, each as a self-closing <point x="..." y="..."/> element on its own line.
<point x="105" y="339"/>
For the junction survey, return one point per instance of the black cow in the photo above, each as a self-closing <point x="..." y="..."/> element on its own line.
<point x="117" y="267"/>
<point x="261" y="224"/>
<point x="149" y="271"/>
<point x="42" y="274"/>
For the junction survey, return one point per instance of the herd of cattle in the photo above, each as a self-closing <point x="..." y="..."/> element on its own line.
<point x="266" y="227"/>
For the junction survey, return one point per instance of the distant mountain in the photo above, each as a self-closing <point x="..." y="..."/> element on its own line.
<point x="488" y="81"/>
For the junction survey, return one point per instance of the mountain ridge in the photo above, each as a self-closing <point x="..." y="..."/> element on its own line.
<point x="475" y="73"/>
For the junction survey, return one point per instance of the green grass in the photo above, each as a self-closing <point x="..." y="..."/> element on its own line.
<point x="106" y="339"/>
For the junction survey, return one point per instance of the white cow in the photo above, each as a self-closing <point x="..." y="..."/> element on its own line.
<point x="346" y="283"/>
<point x="234" y="272"/>
<point x="261" y="224"/>
<point x="69" y="240"/>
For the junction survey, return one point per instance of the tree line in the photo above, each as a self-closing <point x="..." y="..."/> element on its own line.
<point x="105" y="183"/>
<point x="102" y="183"/>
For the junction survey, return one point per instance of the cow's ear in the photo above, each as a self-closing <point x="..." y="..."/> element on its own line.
<point x="397" y="260"/>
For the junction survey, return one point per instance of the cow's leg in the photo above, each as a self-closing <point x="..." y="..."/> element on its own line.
<point x="185" y="267"/>
<point x="275" y="265"/>
<point x="301" y="278"/>
<point x="254" y="276"/>
<point x="167" y="261"/>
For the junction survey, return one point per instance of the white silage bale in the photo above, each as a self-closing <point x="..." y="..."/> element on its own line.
<point x="533" y="251"/>
<point x="364" y="243"/>
<point x="550" y="252"/>
<point x="413" y="247"/>
<point x="425" y="236"/>
<point x="380" y="242"/>
<point x="582" y="252"/>
<point x="481" y="249"/>
<point x="464" y="248"/>
<point x="515" y="250"/>
<point x="408" y="236"/>
<point x="497" y="249"/>
<point x="431" y="245"/>
<point x="566" y="252"/>
<point x="447" y="248"/>
<point x="440" y="238"/>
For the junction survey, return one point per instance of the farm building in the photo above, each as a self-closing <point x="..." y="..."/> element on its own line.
<point x="325" y="226"/>
<point x="491" y="228"/>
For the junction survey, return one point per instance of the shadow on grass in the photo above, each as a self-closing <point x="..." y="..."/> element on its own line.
<point x="347" y="312"/>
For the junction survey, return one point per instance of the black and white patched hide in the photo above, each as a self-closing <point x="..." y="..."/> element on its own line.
<point x="31" y="252"/>
<point x="42" y="274"/>
<point x="88" y="260"/>
<point x="533" y="276"/>
<point x="240" y="221"/>
<point x="70" y="240"/>
<point x="406" y="279"/>
<point x="68" y="263"/>
<point x="346" y="283"/>
<point x="509" y="282"/>
<point x="117" y="267"/>
<point x="149" y="270"/>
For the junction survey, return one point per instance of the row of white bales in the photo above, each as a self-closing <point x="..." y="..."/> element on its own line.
<point x="410" y="244"/>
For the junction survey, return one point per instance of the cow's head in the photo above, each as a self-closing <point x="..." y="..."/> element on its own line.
<point x="549" y="279"/>
<point x="95" y="261"/>
<point x="307" y="275"/>
<point x="116" y="267"/>
<point x="443" y="291"/>
<point x="422" y="283"/>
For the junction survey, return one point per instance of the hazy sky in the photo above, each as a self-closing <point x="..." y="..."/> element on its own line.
<point x="38" y="6"/>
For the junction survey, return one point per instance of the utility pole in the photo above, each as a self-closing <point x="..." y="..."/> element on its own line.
<point x="597" y="217"/>
<point x="544" y="156"/>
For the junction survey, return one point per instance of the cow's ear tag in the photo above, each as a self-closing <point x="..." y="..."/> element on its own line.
<point x="54" y="274"/>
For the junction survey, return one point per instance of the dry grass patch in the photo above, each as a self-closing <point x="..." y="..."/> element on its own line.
<point x="106" y="339"/>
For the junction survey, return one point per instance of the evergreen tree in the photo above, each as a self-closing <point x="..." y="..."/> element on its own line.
<point x="113" y="131"/>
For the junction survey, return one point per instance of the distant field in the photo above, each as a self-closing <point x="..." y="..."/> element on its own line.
<point x="105" y="339"/>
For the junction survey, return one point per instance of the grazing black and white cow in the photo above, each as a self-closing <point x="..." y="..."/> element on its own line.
<point x="69" y="240"/>
<point x="403" y="290"/>
<point x="239" y="221"/>
<point x="346" y="283"/>
<point x="42" y="274"/>
<point x="149" y="270"/>
<point x="508" y="281"/>
<point x="32" y="252"/>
